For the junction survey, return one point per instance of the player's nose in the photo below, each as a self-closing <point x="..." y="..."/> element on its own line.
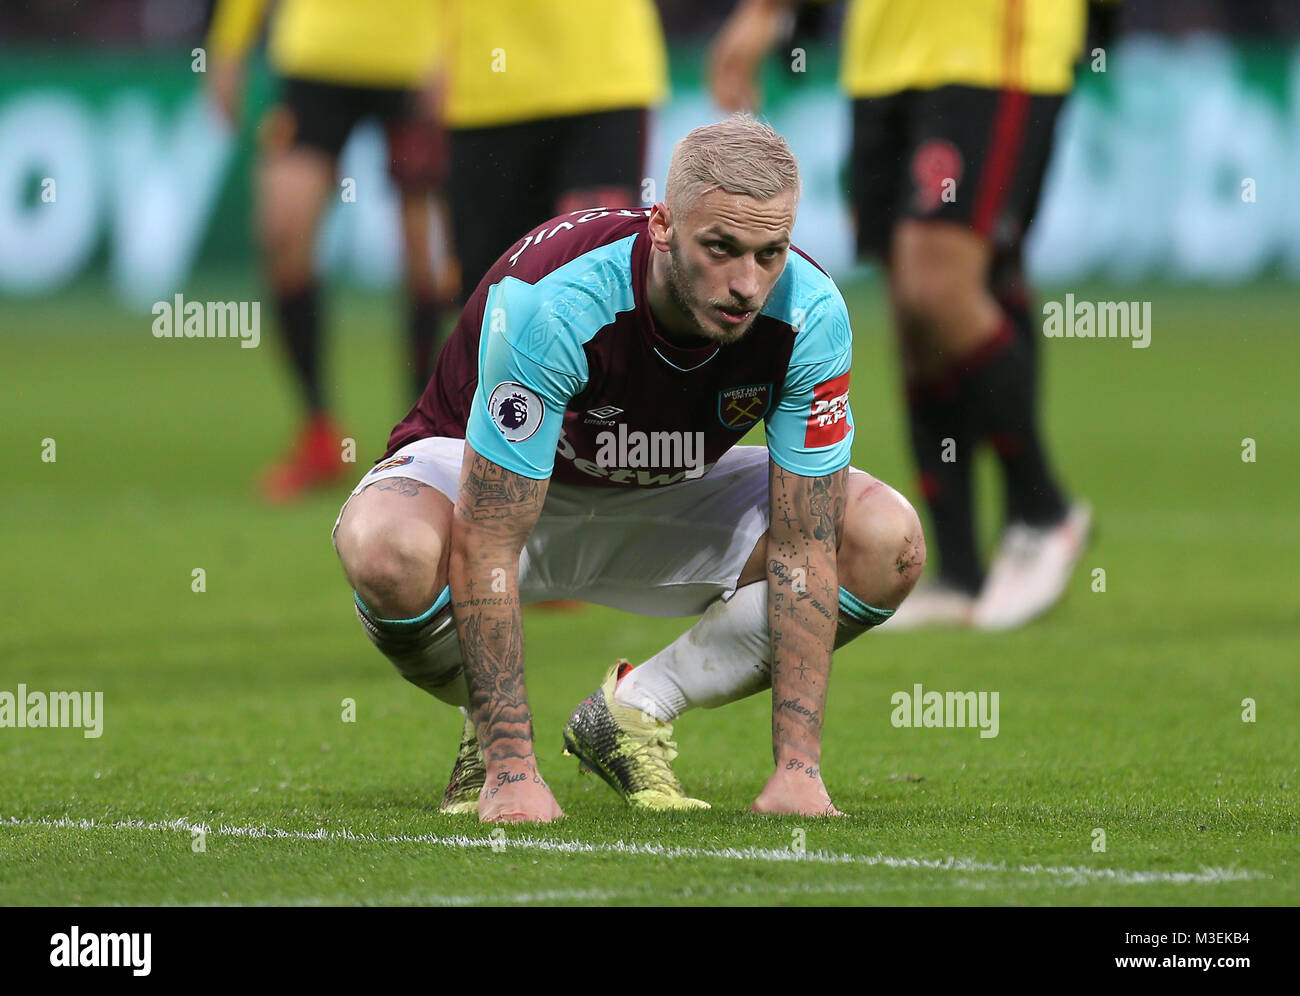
<point x="744" y="283"/>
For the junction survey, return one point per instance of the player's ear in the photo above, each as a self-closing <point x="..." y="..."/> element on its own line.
<point x="661" y="223"/>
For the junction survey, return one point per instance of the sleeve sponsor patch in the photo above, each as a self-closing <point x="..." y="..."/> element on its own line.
<point x="828" y="419"/>
<point x="516" y="411"/>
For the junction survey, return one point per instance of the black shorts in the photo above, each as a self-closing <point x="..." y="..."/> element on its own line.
<point x="507" y="179"/>
<point x="321" y="116"/>
<point x="964" y="154"/>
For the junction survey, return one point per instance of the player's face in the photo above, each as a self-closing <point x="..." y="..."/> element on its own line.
<point x="725" y="257"/>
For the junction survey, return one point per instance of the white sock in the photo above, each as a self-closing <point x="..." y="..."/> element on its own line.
<point x="720" y="659"/>
<point x="725" y="656"/>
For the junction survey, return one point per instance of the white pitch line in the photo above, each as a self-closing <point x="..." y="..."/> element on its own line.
<point x="1068" y="875"/>
<point x="602" y="895"/>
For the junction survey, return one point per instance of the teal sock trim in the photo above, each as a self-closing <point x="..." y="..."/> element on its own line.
<point x="860" y="612"/>
<point x="406" y="625"/>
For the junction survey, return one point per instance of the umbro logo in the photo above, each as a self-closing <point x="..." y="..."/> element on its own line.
<point x="602" y="415"/>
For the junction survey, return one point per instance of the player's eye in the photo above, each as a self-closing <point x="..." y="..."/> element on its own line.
<point x="719" y="249"/>
<point x="768" y="255"/>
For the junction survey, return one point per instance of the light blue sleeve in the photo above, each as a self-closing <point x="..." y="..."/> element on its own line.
<point x="810" y="430"/>
<point x="526" y="378"/>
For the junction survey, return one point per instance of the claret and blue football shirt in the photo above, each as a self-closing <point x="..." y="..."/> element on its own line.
<point x="556" y="369"/>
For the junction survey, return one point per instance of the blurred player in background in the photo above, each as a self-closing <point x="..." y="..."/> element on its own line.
<point x="338" y="62"/>
<point x="546" y="107"/>
<point x="954" y="106"/>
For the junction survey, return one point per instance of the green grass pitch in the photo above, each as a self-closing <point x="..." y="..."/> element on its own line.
<point x="1122" y="711"/>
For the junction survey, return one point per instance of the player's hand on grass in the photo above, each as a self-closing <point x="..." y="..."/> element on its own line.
<point x="515" y="792"/>
<point x="738" y="52"/>
<point x="795" y="789"/>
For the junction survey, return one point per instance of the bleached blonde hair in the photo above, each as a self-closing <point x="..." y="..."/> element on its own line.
<point x="740" y="155"/>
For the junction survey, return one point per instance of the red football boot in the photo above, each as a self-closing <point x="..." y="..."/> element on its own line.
<point x="315" y="460"/>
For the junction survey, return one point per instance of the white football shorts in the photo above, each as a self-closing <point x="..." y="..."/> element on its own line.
<point x="667" y="551"/>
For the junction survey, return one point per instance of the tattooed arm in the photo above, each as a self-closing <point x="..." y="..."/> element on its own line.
<point x="496" y="511"/>
<point x="803" y="603"/>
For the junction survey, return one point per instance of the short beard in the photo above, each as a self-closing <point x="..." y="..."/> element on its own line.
<point x="677" y="294"/>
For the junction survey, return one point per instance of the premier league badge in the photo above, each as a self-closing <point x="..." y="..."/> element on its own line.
<point x="516" y="411"/>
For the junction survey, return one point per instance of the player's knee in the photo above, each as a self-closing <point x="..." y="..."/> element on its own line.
<point x="286" y="228"/>
<point x="883" y="551"/>
<point x="937" y="280"/>
<point x="393" y="566"/>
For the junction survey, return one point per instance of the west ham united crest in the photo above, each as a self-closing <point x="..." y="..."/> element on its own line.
<point x="744" y="406"/>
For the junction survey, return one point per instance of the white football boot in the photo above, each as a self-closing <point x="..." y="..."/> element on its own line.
<point x="933" y="603"/>
<point x="1031" y="570"/>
